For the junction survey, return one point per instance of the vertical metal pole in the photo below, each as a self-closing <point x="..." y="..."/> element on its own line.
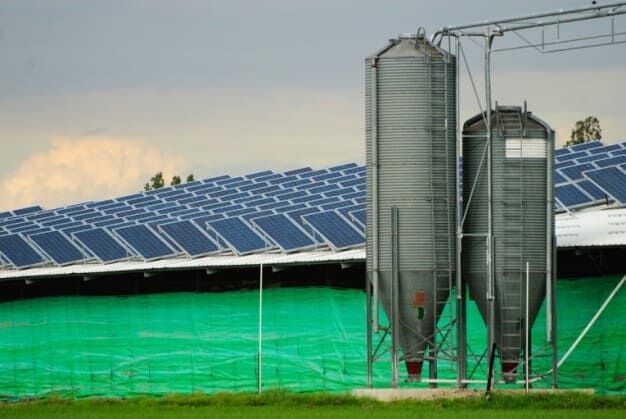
<point x="368" y="315"/>
<point x="461" y="343"/>
<point x="490" y="263"/>
<point x="527" y="330"/>
<point x="549" y="232"/>
<point x="260" y="349"/>
<point x="555" y="348"/>
<point x="394" y="298"/>
<point x="375" y="197"/>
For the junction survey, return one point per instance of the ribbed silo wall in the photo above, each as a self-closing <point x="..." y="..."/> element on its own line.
<point x="522" y="147"/>
<point x="410" y="99"/>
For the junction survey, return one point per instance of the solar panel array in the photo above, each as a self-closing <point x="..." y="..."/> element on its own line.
<point x="297" y="210"/>
<point x="590" y="174"/>
<point x="255" y="213"/>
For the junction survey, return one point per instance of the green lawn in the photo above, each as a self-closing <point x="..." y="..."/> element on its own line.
<point x="293" y="406"/>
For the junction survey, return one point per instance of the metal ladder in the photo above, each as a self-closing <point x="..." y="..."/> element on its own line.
<point x="511" y="289"/>
<point x="441" y="192"/>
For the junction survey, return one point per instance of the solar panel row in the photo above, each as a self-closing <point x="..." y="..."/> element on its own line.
<point x="245" y="214"/>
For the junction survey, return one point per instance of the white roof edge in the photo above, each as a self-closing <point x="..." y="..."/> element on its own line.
<point x="207" y="262"/>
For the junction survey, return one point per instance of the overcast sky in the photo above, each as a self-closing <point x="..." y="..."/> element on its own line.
<point x="95" y="96"/>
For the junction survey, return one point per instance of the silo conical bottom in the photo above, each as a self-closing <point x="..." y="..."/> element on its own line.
<point x="417" y="313"/>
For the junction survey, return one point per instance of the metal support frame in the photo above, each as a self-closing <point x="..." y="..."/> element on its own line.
<point x="488" y="30"/>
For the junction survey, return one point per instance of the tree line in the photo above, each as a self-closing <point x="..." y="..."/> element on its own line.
<point x="158" y="181"/>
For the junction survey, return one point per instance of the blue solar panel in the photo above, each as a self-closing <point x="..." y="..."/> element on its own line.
<point x="565" y="164"/>
<point x="595" y="192"/>
<point x="327" y="176"/>
<point x="283" y="179"/>
<point x="27" y="210"/>
<point x="5" y="214"/>
<point x="201" y="220"/>
<point x="288" y="208"/>
<point x="612" y="180"/>
<point x="258" y="202"/>
<point x="222" y="210"/>
<point x="345" y="211"/>
<point x="336" y="205"/>
<point x="352" y="182"/>
<point x="562" y="151"/>
<point x="558" y="178"/>
<point x="359" y="217"/>
<point x="194" y="241"/>
<point x="238" y="236"/>
<point x="70" y="230"/>
<point x="58" y="247"/>
<point x="259" y="174"/>
<point x="242" y="211"/>
<point x="307" y="198"/>
<point x="143" y="201"/>
<point x="298" y="214"/>
<point x="613" y="161"/>
<point x="269" y="178"/>
<point x="335" y="230"/>
<point x="620" y="152"/>
<point x="308" y="175"/>
<point x="252" y="216"/>
<point x="174" y="208"/>
<point x="71" y="209"/>
<point x="102" y="245"/>
<point x="18" y="252"/>
<point x="573" y="156"/>
<point x="359" y="171"/>
<point x="298" y="171"/>
<point x="145" y="242"/>
<point x="571" y="196"/>
<point x="129" y="197"/>
<point x="323" y="188"/>
<point x="576" y="172"/>
<point x="296" y="183"/>
<point x="185" y="211"/>
<point x="586" y="146"/>
<point x="83" y="215"/>
<point x="594" y="157"/>
<point x="291" y="195"/>
<point x="65" y="226"/>
<point x="191" y="200"/>
<point x="343" y="167"/>
<point x="288" y="235"/>
<point x="323" y="201"/>
<point x="339" y="192"/>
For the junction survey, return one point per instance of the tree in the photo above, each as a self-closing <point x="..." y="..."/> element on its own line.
<point x="156" y="182"/>
<point x="584" y="131"/>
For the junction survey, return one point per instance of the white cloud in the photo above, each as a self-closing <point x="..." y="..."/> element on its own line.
<point x="72" y="170"/>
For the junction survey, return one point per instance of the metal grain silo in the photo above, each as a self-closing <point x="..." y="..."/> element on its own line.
<point x="411" y="119"/>
<point x="521" y="194"/>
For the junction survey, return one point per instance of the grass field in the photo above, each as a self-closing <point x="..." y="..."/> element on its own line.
<point x="293" y="406"/>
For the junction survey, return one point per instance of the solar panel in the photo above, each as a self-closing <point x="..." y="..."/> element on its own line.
<point x="259" y="174"/>
<point x="296" y="183"/>
<point x="35" y="230"/>
<point x="191" y="239"/>
<point x="586" y="146"/>
<point x="335" y="230"/>
<point x="5" y="214"/>
<point x="359" y="217"/>
<point x="283" y="179"/>
<point x="102" y="245"/>
<point x="298" y="171"/>
<point x="562" y="151"/>
<point x="269" y="178"/>
<point x="352" y="182"/>
<point x="323" y="188"/>
<point x="27" y="210"/>
<point x="620" y="152"/>
<point x="57" y="247"/>
<point x="339" y="192"/>
<point x="288" y="235"/>
<point x="298" y="214"/>
<point x="612" y="180"/>
<point x="252" y="216"/>
<point x="306" y="175"/>
<point x="182" y="212"/>
<point x="71" y="230"/>
<point x="593" y="157"/>
<point x="613" y="161"/>
<point x="201" y="220"/>
<point x="288" y="208"/>
<point x="143" y="201"/>
<point x="342" y="167"/>
<point x="336" y="205"/>
<point x="238" y="236"/>
<point x="327" y="176"/>
<point x="576" y="172"/>
<point x="18" y="252"/>
<point x="573" y="156"/>
<point x="145" y="242"/>
<point x="558" y="178"/>
<point x="565" y="164"/>
<point x="571" y="196"/>
<point x="591" y="189"/>
<point x="359" y="170"/>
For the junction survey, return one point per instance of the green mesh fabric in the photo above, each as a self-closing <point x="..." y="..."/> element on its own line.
<point x="313" y="340"/>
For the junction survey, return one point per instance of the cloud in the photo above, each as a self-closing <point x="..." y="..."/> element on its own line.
<point x="73" y="170"/>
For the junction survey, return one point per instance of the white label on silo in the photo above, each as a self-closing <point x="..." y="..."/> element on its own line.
<point x="526" y="148"/>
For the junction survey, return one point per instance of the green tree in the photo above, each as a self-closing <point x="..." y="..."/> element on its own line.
<point x="175" y="180"/>
<point x="156" y="182"/>
<point x="190" y="178"/>
<point x="584" y="131"/>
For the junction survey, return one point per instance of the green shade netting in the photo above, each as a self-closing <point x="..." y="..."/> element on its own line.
<point x="313" y="340"/>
